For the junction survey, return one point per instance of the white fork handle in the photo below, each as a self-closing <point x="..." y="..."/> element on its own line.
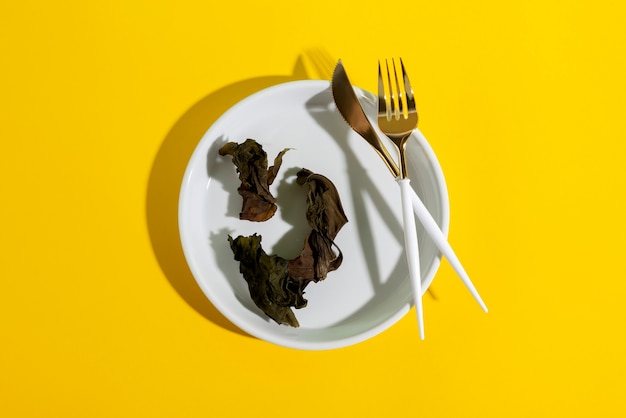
<point x="433" y="230"/>
<point x="412" y="250"/>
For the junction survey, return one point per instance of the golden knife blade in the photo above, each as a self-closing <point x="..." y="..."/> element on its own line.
<point x="351" y="110"/>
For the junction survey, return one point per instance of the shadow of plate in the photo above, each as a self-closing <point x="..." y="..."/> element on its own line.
<point x="166" y="177"/>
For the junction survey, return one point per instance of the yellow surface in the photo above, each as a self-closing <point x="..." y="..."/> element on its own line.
<point x="102" y="104"/>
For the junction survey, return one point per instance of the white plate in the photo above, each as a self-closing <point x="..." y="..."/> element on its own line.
<point x="371" y="290"/>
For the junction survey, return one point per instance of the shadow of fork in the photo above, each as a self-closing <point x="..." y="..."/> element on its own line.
<point x="324" y="63"/>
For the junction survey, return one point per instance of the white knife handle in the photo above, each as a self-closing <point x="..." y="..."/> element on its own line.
<point x="412" y="249"/>
<point x="433" y="230"/>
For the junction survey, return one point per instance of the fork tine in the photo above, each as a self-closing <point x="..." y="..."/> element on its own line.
<point x="399" y="92"/>
<point x="392" y="95"/>
<point x="410" y="97"/>
<point x="382" y="98"/>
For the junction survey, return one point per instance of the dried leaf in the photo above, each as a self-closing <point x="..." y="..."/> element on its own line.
<point x="268" y="280"/>
<point x="326" y="216"/>
<point x="277" y="284"/>
<point x="250" y="159"/>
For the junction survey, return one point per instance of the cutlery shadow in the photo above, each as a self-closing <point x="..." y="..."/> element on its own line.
<point x="323" y="64"/>
<point x="321" y="108"/>
<point x="166" y="177"/>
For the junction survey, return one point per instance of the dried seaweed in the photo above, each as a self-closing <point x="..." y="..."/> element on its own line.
<point x="277" y="284"/>
<point x="326" y="216"/>
<point x="259" y="204"/>
<point x="268" y="279"/>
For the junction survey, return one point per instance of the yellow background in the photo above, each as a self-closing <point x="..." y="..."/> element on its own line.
<point x="102" y="103"/>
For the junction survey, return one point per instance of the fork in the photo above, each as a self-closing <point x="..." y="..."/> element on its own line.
<point x="397" y="119"/>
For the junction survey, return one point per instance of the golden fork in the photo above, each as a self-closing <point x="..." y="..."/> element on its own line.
<point x="397" y="113"/>
<point x="397" y="119"/>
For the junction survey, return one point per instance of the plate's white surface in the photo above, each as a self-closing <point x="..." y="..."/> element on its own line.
<point x="371" y="290"/>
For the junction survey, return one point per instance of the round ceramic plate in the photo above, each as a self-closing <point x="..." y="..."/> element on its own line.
<point x="371" y="290"/>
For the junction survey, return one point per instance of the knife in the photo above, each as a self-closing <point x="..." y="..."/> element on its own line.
<point x="351" y="110"/>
